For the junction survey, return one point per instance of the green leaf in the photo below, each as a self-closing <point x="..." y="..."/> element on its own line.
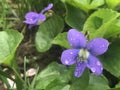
<point x="54" y="72"/>
<point x="47" y="32"/>
<point x="9" y="41"/>
<point x="114" y="89"/>
<point x="61" y="39"/>
<point x="80" y="83"/>
<point x="85" y="5"/>
<point x="62" y="87"/>
<point x="100" y="23"/>
<point x="97" y="83"/>
<point x="112" y="3"/>
<point x="111" y="59"/>
<point x="67" y="87"/>
<point x="75" y="17"/>
<point x="57" y="85"/>
<point x="114" y="29"/>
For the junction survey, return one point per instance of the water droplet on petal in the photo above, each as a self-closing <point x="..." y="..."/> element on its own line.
<point x="76" y="73"/>
<point x="31" y="19"/>
<point x="93" y="69"/>
<point x="66" y="62"/>
<point x="98" y="63"/>
<point x="71" y="52"/>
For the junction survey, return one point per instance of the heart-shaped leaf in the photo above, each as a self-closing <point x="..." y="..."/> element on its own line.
<point x="101" y="22"/>
<point x="111" y="59"/>
<point x="55" y="74"/>
<point x="97" y="83"/>
<point x="9" y="41"/>
<point x="47" y="32"/>
<point x="112" y="3"/>
<point x="85" y="5"/>
<point x="61" y="40"/>
<point x="75" y="17"/>
<point x="80" y="83"/>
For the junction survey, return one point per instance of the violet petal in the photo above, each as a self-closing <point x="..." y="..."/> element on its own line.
<point x="47" y="8"/>
<point x="94" y="65"/>
<point x="80" y="67"/>
<point x="41" y="18"/>
<point x="69" y="56"/>
<point x="76" y="39"/>
<point x="31" y="18"/>
<point x="98" y="46"/>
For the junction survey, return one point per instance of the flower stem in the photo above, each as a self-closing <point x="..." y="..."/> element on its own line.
<point x="18" y="79"/>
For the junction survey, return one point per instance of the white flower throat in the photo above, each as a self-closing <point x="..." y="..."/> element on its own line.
<point x="83" y="55"/>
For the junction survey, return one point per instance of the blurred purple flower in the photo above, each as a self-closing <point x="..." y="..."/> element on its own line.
<point x="84" y="54"/>
<point x="33" y="18"/>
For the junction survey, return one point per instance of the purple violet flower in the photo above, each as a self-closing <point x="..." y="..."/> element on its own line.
<point x="33" y="18"/>
<point x="84" y="54"/>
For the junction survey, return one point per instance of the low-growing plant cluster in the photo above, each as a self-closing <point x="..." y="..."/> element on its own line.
<point x="60" y="45"/>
